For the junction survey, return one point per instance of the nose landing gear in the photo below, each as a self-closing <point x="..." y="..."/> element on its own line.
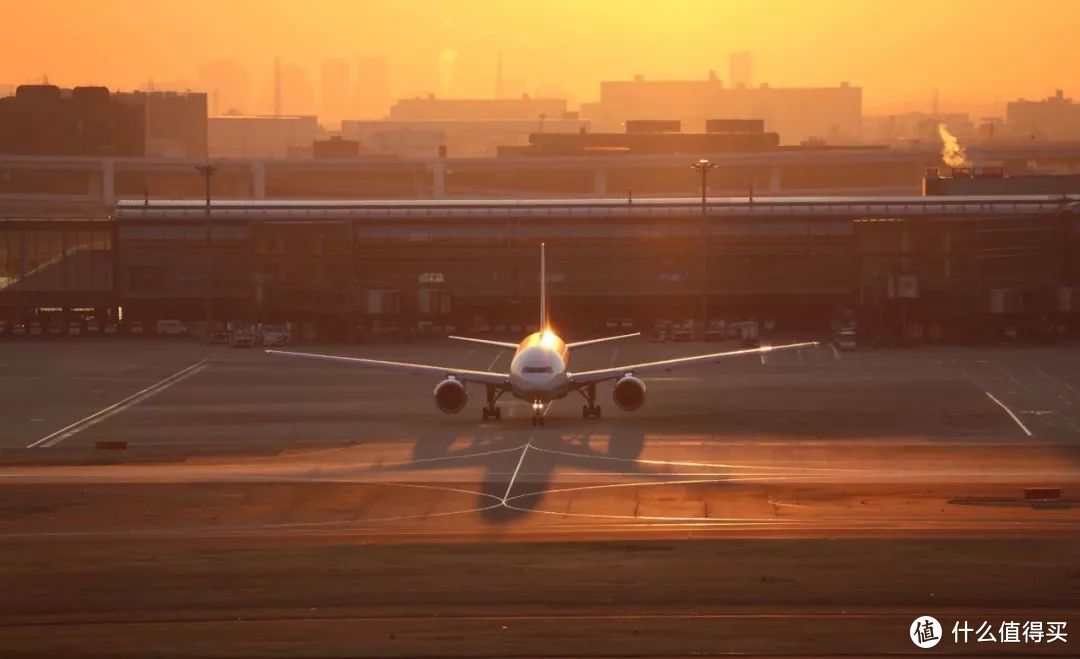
<point x="538" y="413"/>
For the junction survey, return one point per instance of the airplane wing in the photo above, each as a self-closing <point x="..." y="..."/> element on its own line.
<point x="589" y="377"/>
<point x="487" y="342"/>
<point x="465" y="375"/>
<point x="578" y="344"/>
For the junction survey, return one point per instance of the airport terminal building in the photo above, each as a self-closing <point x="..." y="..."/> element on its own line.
<point x="919" y="268"/>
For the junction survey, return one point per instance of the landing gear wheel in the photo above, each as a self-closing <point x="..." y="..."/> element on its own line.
<point x="590" y="409"/>
<point x="491" y="410"/>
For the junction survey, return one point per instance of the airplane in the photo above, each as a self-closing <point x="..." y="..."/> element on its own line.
<point x="539" y="370"/>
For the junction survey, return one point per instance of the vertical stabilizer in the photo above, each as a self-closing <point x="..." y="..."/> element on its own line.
<point x="543" y="290"/>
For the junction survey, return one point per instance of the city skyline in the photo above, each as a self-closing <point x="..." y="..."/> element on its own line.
<point x="572" y="47"/>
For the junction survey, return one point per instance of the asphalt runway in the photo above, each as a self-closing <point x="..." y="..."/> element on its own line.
<point x="244" y="398"/>
<point x="318" y="506"/>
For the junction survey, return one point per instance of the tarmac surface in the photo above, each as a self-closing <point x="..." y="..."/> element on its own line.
<point x="811" y="502"/>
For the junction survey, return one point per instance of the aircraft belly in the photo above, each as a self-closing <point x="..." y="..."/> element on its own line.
<point x="532" y="393"/>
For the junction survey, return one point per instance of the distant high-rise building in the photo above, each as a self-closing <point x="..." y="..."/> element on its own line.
<point x="1054" y="118"/>
<point x="741" y="69"/>
<point x="277" y="86"/>
<point x="226" y="85"/>
<point x="447" y="64"/>
<point x="371" y="94"/>
<point x="499" y="77"/>
<point x="297" y="93"/>
<point x="335" y="90"/>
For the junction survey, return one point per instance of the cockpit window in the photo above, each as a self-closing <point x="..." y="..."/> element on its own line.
<point x="536" y="369"/>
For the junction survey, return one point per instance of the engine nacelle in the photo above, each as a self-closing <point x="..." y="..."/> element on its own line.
<point x="450" y="396"/>
<point x="629" y="393"/>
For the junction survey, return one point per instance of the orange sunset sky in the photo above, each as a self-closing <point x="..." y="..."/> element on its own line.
<point x="977" y="54"/>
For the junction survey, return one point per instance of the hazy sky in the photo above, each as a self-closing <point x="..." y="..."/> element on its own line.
<point x="975" y="52"/>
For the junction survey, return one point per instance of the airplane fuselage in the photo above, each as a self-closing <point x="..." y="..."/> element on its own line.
<point x="538" y="370"/>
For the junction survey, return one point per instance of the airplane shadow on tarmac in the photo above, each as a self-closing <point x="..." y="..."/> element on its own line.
<point x="518" y="469"/>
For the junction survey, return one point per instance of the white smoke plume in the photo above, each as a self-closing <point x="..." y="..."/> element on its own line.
<point x="951" y="152"/>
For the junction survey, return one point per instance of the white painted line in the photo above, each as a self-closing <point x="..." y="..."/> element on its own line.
<point x="444" y="458"/>
<point x="492" y="364"/>
<point x="99" y="416"/>
<point x="1010" y="413"/>
<point x="835" y="352"/>
<point x="1034" y="394"/>
<point x="510" y="485"/>
<point x="1060" y="382"/>
<point x="763" y="361"/>
<point x="614" y="355"/>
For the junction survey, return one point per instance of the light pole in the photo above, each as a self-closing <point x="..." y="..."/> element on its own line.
<point x="704" y="166"/>
<point x="208" y="171"/>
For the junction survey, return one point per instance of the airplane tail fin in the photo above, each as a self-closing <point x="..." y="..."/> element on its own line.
<point x="543" y="290"/>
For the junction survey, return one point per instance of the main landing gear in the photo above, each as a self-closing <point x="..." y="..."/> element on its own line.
<point x="492" y="411"/>
<point x="590" y="410"/>
<point x="538" y="413"/>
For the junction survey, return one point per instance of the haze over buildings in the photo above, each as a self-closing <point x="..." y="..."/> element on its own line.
<point x="336" y="91"/>
<point x="570" y="44"/>
<point x="797" y="114"/>
<point x="226" y="85"/>
<point x="371" y="91"/>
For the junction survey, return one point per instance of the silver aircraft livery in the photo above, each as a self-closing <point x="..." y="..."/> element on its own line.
<point x="540" y="370"/>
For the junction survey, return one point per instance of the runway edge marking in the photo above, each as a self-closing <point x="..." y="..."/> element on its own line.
<point x="97" y="417"/>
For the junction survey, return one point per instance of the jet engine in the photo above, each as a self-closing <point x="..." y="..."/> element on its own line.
<point x="450" y="396"/>
<point x="629" y="393"/>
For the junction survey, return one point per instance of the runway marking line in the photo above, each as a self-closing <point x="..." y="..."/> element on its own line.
<point x="1060" y="382"/>
<point x="680" y="463"/>
<point x="1038" y="397"/>
<point x="991" y="396"/>
<point x="1010" y="413"/>
<point x="97" y="417"/>
<point x="835" y="352"/>
<point x="510" y="485"/>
